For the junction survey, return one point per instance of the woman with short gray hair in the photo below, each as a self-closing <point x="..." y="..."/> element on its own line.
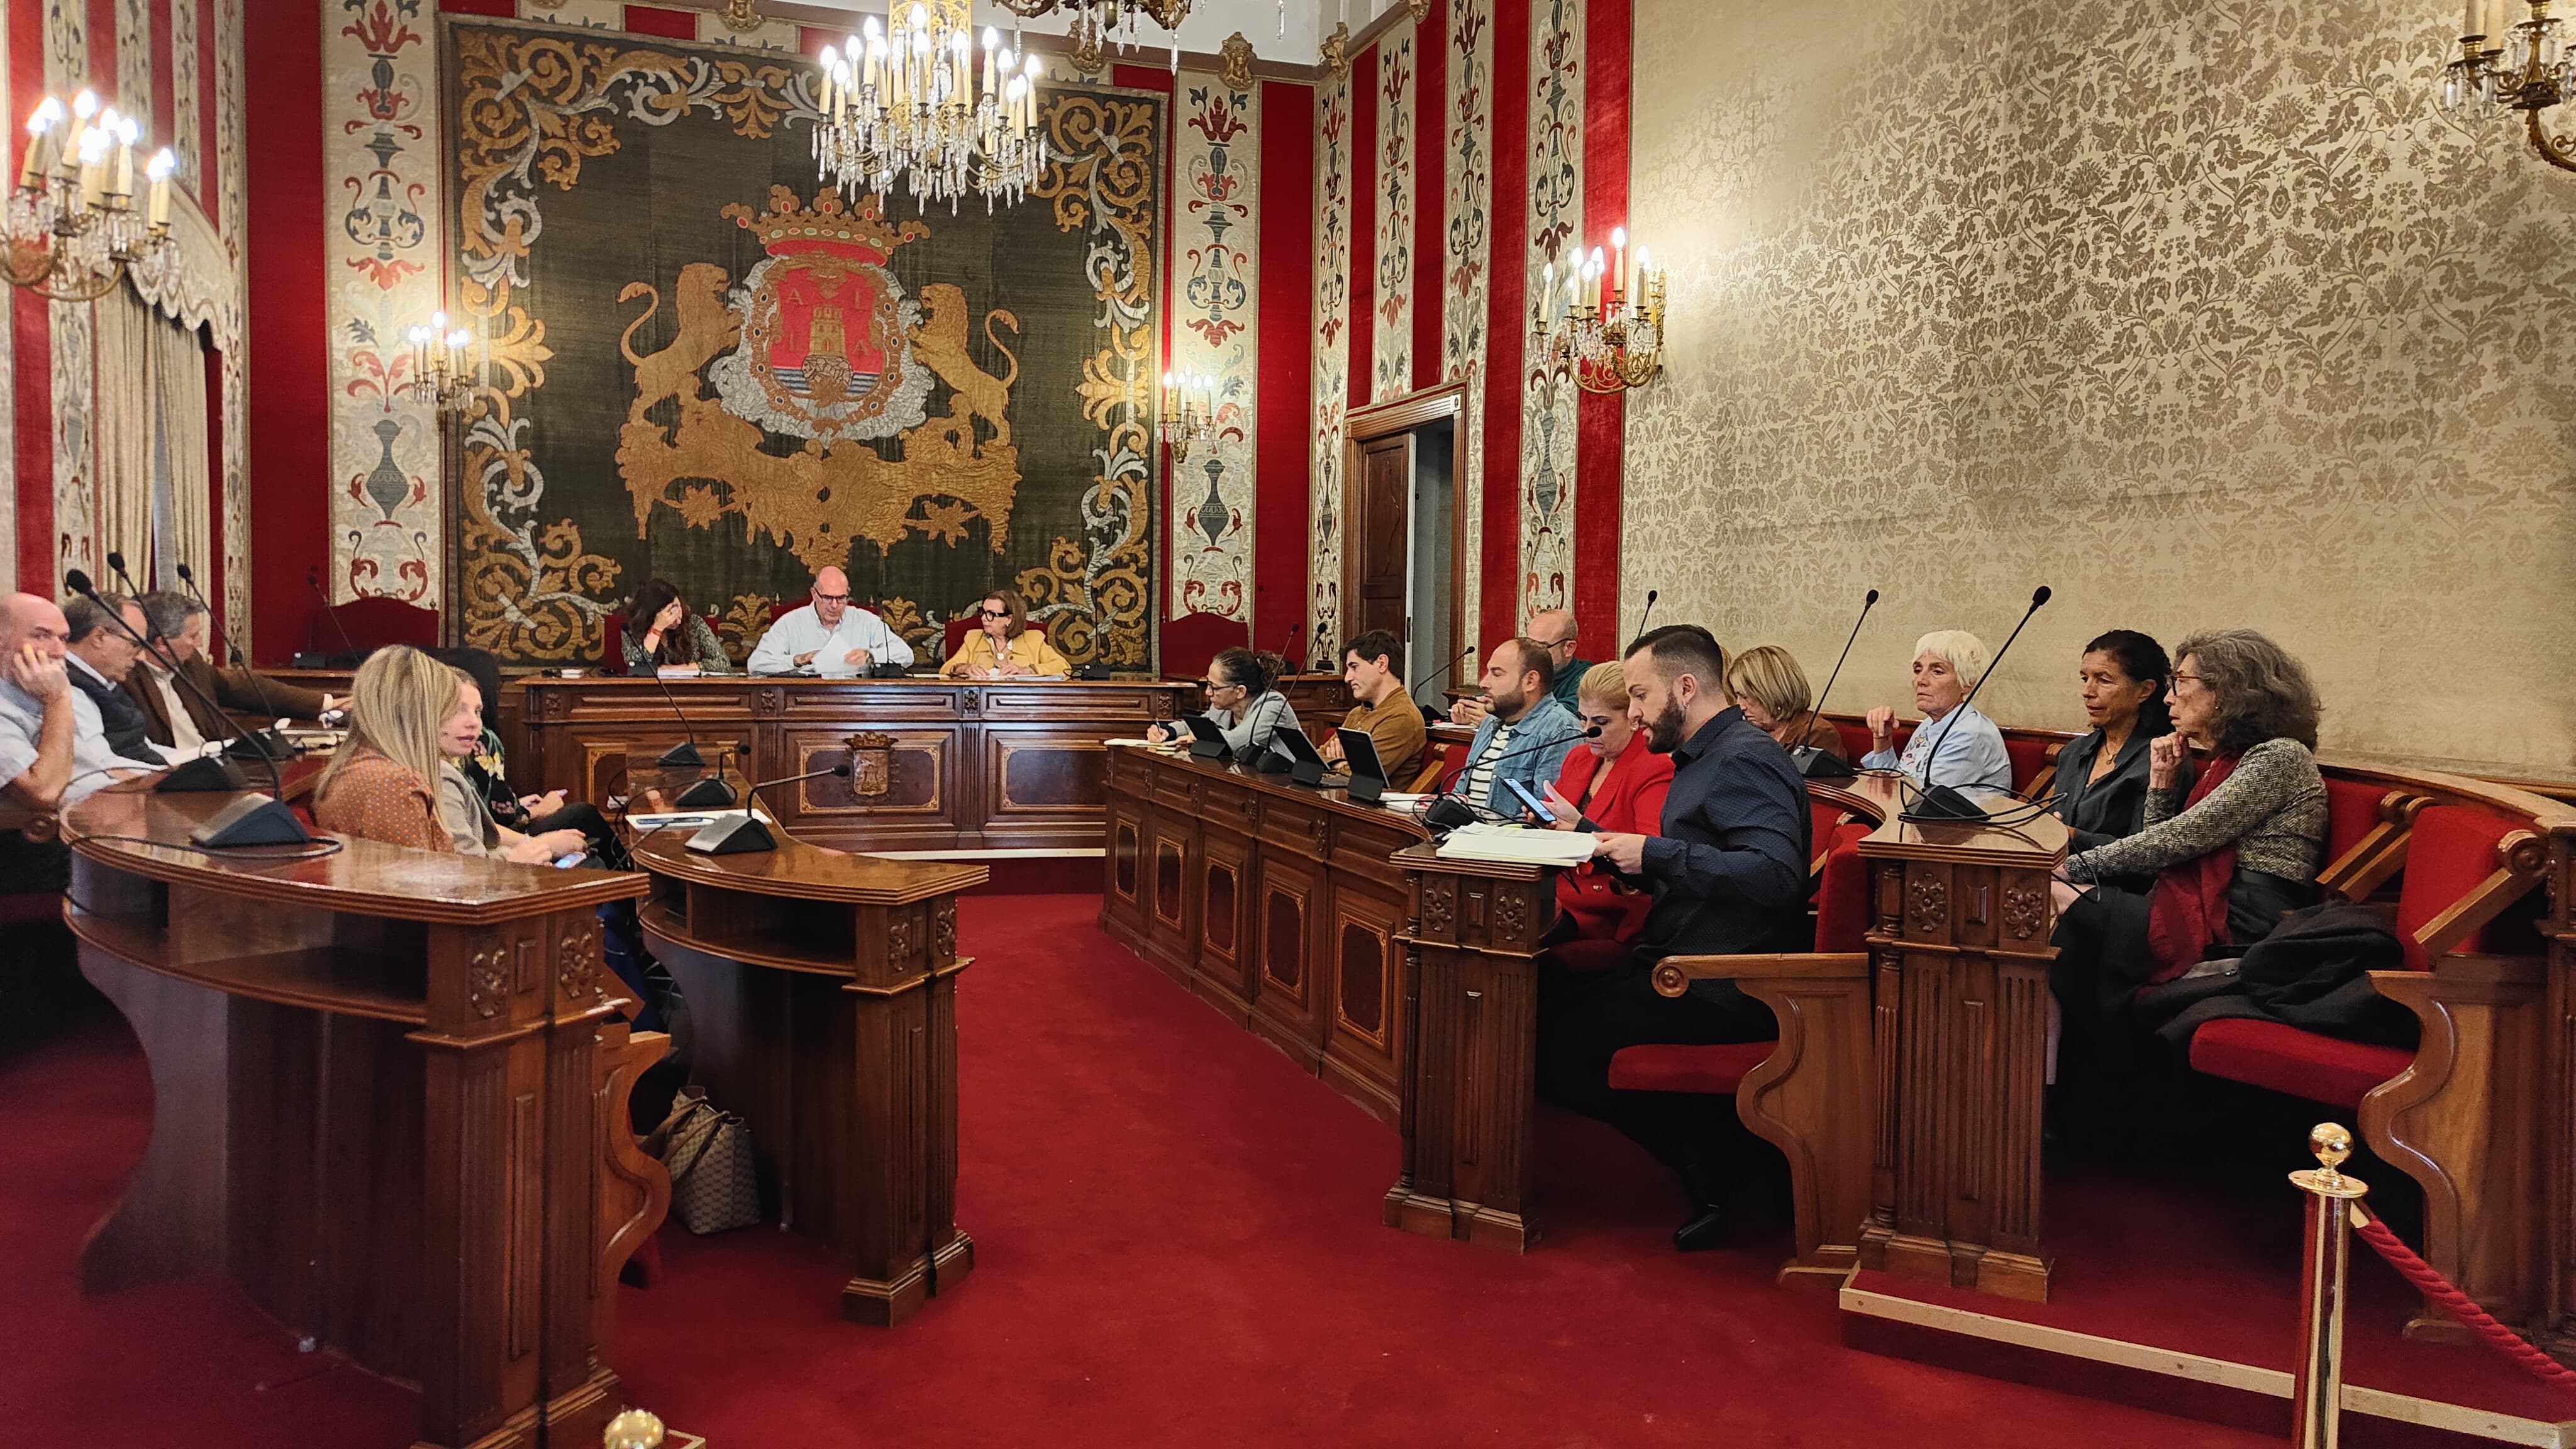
<point x="1954" y="745"/>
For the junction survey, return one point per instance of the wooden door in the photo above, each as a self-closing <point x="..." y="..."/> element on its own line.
<point x="1379" y="541"/>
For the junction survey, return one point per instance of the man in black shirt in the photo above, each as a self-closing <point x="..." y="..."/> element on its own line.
<point x="1729" y="876"/>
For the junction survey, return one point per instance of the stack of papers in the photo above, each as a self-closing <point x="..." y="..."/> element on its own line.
<point x="1518" y="844"/>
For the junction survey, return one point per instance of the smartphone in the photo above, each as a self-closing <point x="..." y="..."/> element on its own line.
<point x="1532" y="799"/>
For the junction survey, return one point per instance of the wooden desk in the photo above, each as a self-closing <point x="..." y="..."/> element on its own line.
<point x="975" y="766"/>
<point x="389" y="1100"/>
<point x="1274" y="902"/>
<point x="822" y="996"/>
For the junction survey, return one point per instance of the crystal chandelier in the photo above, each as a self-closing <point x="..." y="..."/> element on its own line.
<point x="71" y="232"/>
<point x="1605" y="327"/>
<point x="1189" y="413"/>
<point x="442" y="365"/>
<point x="1092" y="23"/>
<point x="912" y="99"/>
<point x="2513" y="65"/>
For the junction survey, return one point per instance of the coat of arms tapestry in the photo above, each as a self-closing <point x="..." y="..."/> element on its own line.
<point x="707" y="366"/>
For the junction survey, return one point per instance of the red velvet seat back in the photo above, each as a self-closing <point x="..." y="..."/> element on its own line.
<point x="1842" y="897"/>
<point x="2452" y="851"/>
<point x="1453" y="763"/>
<point x="956" y="634"/>
<point x="612" y="645"/>
<point x="2352" y="809"/>
<point x="1192" y="641"/>
<point x="1855" y="739"/>
<point x="372" y="623"/>
<point x="2028" y="757"/>
<point x="1822" y="817"/>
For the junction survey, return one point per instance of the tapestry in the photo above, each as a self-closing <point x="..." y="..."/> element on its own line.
<point x="708" y="366"/>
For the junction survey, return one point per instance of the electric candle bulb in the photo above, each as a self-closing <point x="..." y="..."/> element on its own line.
<point x="163" y="163"/>
<point x="38" y="125"/>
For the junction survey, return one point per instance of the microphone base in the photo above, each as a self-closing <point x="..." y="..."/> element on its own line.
<point x="709" y="793"/>
<point x="1941" y="802"/>
<point x="260" y="745"/>
<point x="251" y="820"/>
<point x="1448" y="813"/>
<point x="734" y="835"/>
<point x="682" y="757"/>
<point x="201" y="775"/>
<point x="1094" y="670"/>
<point x="1815" y="764"/>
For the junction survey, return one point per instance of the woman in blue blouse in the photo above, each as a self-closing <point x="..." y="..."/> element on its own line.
<point x="1967" y="750"/>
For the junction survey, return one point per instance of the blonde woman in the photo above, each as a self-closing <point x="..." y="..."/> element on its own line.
<point x="1003" y="646"/>
<point x="1771" y="689"/>
<point x="408" y="716"/>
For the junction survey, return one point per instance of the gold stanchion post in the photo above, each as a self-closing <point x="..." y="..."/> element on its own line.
<point x="2318" y="1390"/>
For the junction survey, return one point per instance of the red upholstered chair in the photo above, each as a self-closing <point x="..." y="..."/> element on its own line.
<point x="954" y="635"/>
<point x="2034" y="762"/>
<point x="1855" y="738"/>
<point x="1192" y="641"/>
<point x="2366" y="836"/>
<point x="612" y="645"/>
<point x="1440" y="765"/>
<point x="1805" y="1092"/>
<point x="1822" y="817"/>
<point x="371" y="623"/>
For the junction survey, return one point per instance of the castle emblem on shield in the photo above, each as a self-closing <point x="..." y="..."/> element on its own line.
<point x="824" y="351"/>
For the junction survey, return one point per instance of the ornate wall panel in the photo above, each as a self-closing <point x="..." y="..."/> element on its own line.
<point x="1216" y="227"/>
<point x="9" y="105"/>
<point x="1555" y="203"/>
<point x="771" y="379"/>
<point x="381" y="278"/>
<point x="2227" y="328"/>
<point x="1333" y="256"/>
<point x="1468" y="184"/>
<point x="229" y="147"/>
<point x="67" y="70"/>
<point x="1391" y="249"/>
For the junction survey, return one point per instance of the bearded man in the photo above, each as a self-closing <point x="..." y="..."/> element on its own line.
<point x="1729" y="875"/>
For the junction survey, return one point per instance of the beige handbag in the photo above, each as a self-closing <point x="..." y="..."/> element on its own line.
<point x="708" y="1154"/>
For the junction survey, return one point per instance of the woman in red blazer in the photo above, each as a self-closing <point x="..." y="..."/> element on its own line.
<point x="1612" y="783"/>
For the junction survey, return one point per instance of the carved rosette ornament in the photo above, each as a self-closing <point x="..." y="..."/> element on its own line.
<point x="871" y="765"/>
<point x="1511" y="915"/>
<point x="943" y="932"/>
<point x="899" y="939"/>
<point x="1929" y="909"/>
<point x="577" y="964"/>
<point x="2025" y="908"/>
<point x="1439" y="906"/>
<point x="1237" y="70"/>
<point x="487" y="978"/>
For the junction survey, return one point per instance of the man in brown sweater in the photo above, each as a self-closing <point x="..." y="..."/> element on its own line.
<point x="173" y="714"/>
<point x="1373" y="667"/>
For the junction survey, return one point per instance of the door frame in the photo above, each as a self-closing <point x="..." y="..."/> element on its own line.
<point x="1403" y="415"/>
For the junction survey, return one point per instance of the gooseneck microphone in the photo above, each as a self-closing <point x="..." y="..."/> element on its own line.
<point x="737" y="834"/>
<point x="1647" y="617"/>
<point x="1416" y="686"/>
<point x="1941" y="802"/>
<point x="1452" y="809"/>
<point x="253" y="819"/>
<point x="350" y="653"/>
<point x="261" y="742"/>
<point x="1813" y="763"/>
<point x="1287" y="664"/>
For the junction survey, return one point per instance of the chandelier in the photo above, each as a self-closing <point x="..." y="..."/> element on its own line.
<point x="2520" y="65"/>
<point x="1094" y="22"/>
<point x="1189" y="413"/>
<point x="1605" y="327"/>
<point x="71" y="231"/>
<point x="441" y="365"/>
<point x="912" y="99"/>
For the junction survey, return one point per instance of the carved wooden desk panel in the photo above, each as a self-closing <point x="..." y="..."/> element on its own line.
<point x="389" y="1099"/>
<point x="973" y="764"/>
<point x="822" y="989"/>
<point x="1276" y="903"/>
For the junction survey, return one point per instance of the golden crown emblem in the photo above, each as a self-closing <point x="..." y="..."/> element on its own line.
<point x="830" y="220"/>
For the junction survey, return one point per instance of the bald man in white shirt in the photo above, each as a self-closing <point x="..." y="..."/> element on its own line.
<point x="829" y="635"/>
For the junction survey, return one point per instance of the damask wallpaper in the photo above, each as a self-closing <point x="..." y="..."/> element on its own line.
<point x="2201" y="314"/>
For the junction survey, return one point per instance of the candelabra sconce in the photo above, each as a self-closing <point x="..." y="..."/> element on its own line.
<point x="443" y="369"/>
<point x="1604" y="328"/>
<point x="71" y="232"/>
<point x="1189" y="413"/>
<point x="2513" y="65"/>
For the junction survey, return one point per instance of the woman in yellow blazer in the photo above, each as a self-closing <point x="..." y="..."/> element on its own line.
<point x="1005" y="647"/>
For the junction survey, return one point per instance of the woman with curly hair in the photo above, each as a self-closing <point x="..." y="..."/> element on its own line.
<point x="2228" y="857"/>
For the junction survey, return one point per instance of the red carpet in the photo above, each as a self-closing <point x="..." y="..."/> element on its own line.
<point x="1176" y="1243"/>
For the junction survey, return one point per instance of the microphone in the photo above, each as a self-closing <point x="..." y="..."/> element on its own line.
<point x="1289" y="665"/>
<point x="261" y="742"/>
<point x="1648" y="616"/>
<point x="251" y="820"/>
<point x="1813" y="763"/>
<point x="1452" y="809"/>
<point x="1941" y="802"/>
<point x="1416" y="686"/>
<point x="116" y="566"/>
<point x="1319" y="653"/>
<point x="738" y="834"/>
<point x="152" y="646"/>
<point x="350" y="652"/>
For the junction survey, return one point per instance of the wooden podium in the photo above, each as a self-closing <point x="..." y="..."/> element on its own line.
<point x="389" y="1100"/>
<point x="1471" y="992"/>
<point x="1959" y="946"/>
<point x="822" y="994"/>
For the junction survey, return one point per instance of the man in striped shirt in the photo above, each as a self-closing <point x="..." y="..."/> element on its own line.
<point x="1525" y="733"/>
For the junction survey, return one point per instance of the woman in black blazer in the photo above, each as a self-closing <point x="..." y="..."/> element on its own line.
<point x="2102" y="776"/>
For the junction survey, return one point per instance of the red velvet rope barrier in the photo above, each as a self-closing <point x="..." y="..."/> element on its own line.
<point x="2456" y="1303"/>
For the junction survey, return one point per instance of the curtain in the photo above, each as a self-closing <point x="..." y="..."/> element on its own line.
<point x="154" y="504"/>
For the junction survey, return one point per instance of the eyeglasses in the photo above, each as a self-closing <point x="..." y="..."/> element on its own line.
<point x="997" y="613"/>
<point x="831" y="598"/>
<point x="2180" y="679"/>
<point x="1212" y="686"/>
